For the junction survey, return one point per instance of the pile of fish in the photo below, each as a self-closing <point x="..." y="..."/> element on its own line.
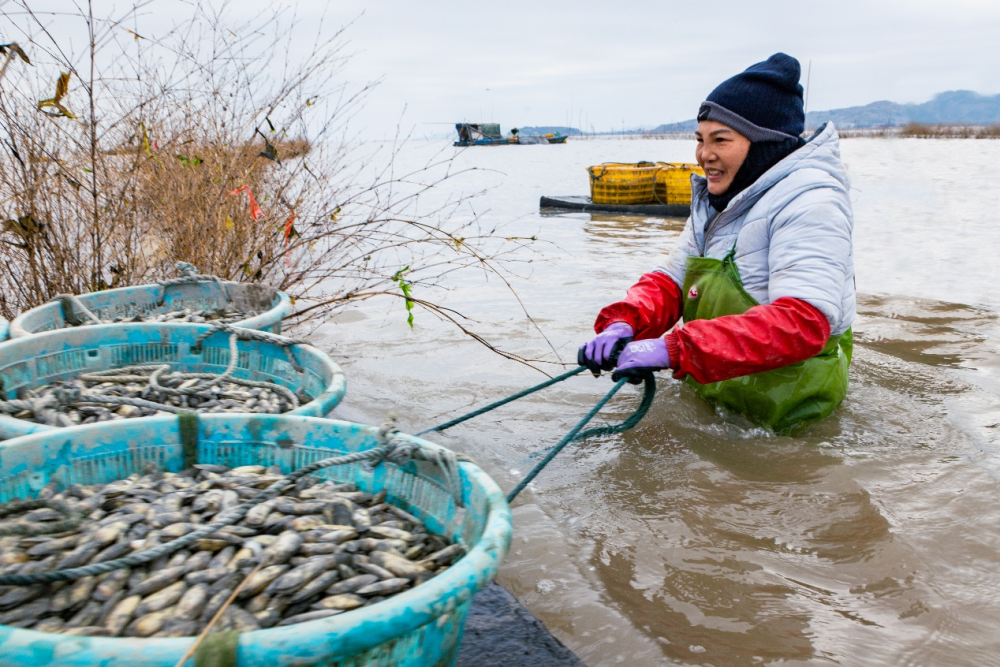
<point x="70" y="397"/>
<point x="321" y="549"/>
<point x="222" y="315"/>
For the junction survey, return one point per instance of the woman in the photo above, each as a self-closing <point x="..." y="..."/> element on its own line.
<point x="763" y="274"/>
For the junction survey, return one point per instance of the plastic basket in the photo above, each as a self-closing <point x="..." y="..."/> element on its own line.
<point x="268" y="305"/>
<point x="673" y="183"/>
<point x="420" y="627"/>
<point x="33" y="361"/>
<point x="618" y="183"/>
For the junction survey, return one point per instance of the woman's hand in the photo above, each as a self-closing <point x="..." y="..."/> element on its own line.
<point x="597" y="355"/>
<point x="640" y="358"/>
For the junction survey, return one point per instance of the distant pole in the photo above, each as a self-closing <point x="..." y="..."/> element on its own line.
<point x="808" y="77"/>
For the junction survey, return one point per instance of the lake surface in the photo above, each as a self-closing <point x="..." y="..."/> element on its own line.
<point x="873" y="538"/>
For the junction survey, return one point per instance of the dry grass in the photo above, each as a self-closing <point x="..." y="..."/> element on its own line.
<point x="134" y="166"/>
<point x="924" y="131"/>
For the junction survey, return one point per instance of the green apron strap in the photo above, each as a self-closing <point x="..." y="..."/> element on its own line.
<point x="189" y="437"/>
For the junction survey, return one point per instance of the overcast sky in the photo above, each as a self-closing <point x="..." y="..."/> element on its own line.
<point x="606" y="64"/>
<point x="643" y="63"/>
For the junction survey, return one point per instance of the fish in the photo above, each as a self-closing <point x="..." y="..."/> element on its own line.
<point x="87" y="616"/>
<point x="324" y="548"/>
<point x="283" y="548"/>
<point x="158" y="581"/>
<point x="192" y="602"/>
<point x="351" y="584"/>
<point x="121" y="615"/>
<point x="296" y="578"/>
<point x="150" y="624"/>
<point x="315" y="587"/>
<point x="399" y="566"/>
<point x="161" y="599"/>
<point x="342" y="602"/>
<point x="384" y="587"/>
<point x="111" y="583"/>
<point x="54" y="624"/>
<point x="259" y="581"/>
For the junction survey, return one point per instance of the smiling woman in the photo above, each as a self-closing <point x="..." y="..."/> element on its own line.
<point x="763" y="274"/>
<point x="720" y="153"/>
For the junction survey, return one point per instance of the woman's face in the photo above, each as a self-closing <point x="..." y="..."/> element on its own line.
<point x="721" y="150"/>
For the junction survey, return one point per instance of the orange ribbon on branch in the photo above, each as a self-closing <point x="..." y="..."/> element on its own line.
<point x="255" y="211"/>
<point x="289" y="230"/>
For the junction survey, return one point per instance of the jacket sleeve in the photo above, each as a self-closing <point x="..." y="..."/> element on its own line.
<point x="654" y="304"/>
<point x="651" y="307"/>
<point x="810" y="252"/>
<point x="761" y="339"/>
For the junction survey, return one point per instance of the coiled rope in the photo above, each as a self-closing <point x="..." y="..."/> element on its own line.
<point x="576" y="433"/>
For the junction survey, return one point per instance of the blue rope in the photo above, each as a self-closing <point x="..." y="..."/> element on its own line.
<point x="647" y="400"/>
<point x="649" y="390"/>
<point x="513" y="397"/>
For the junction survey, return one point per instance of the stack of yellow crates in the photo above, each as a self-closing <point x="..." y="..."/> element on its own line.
<point x="619" y="183"/>
<point x="666" y="183"/>
<point x="673" y="183"/>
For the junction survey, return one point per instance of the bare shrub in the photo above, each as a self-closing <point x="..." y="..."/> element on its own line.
<point x="150" y="150"/>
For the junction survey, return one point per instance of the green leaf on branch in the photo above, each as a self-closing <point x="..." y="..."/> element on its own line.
<point x="189" y="161"/>
<point x="406" y="288"/>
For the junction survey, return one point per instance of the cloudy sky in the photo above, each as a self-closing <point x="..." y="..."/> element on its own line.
<point x="642" y="63"/>
<point x="608" y="64"/>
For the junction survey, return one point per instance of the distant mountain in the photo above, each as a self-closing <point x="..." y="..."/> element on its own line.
<point x="955" y="107"/>
<point x="533" y="131"/>
<point x="685" y="126"/>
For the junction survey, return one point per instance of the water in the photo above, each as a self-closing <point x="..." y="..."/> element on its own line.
<point x="872" y="539"/>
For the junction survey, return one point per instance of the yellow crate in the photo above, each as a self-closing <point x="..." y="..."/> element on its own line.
<point x="673" y="182"/>
<point x="618" y="183"/>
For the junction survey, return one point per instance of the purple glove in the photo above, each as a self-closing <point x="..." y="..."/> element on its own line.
<point x="641" y="357"/>
<point x="597" y="354"/>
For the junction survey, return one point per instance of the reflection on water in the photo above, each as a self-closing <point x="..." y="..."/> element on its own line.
<point x="874" y="538"/>
<point x="618" y="228"/>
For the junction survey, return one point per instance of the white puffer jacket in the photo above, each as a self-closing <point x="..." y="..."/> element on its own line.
<point x="792" y="229"/>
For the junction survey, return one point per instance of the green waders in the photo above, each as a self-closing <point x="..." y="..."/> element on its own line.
<point x="784" y="399"/>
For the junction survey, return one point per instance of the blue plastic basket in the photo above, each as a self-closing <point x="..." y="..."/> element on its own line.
<point x="32" y="361"/>
<point x="421" y="627"/>
<point x="270" y="305"/>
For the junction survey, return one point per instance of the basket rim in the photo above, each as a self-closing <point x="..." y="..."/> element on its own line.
<point x="281" y="306"/>
<point x="348" y="633"/>
<point x="13" y="350"/>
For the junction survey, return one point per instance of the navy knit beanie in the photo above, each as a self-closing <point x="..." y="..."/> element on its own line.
<point x="763" y="103"/>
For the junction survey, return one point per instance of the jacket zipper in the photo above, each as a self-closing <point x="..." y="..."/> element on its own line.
<point x="711" y="226"/>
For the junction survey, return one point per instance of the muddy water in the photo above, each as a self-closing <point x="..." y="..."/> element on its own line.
<point x="874" y="538"/>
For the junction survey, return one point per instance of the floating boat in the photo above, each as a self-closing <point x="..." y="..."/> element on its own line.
<point x="488" y="134"/>
<point x="572" y="203"/>
<point x="481" y="134"/>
